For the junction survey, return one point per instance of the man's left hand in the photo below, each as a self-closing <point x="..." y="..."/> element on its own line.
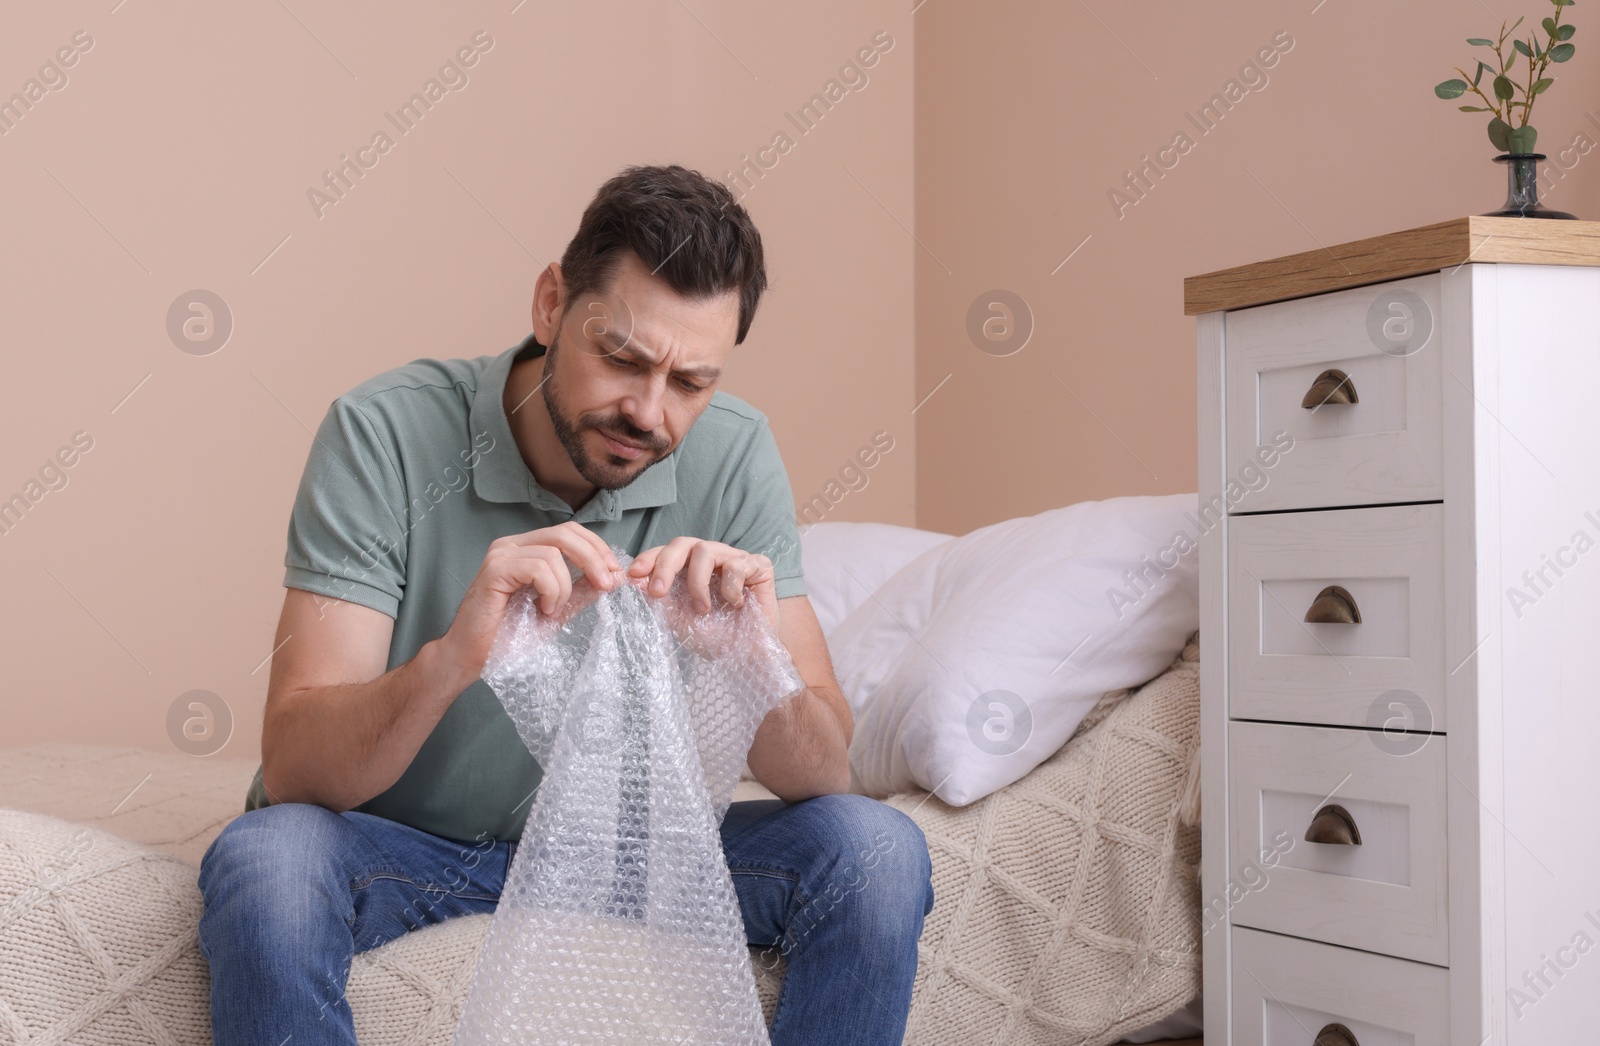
<point x="739" y="572"/>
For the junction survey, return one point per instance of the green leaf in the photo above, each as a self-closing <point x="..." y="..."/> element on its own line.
<point x="1502" y="88"/>
<point x="1566" y="32"/>
<point x="1514" y="26"/>
<point x="1550" y="25"/>
<point x="1522" y="140"/>
<point x="1451" y="89"/>
<point x="1540" y="86"/>
<point x="1479" y="74"/>
<point x="1478" y="41"/>
<point x="1500" y="134"/>
<point x="1522" y="48"/>
<point x="1561" y="52"/>
<point x="1474" y="109"/>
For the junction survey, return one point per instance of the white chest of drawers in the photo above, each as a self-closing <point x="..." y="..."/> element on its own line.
<point x="1400" y="603"/>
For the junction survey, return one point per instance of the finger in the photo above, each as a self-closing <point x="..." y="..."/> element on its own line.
<point x="644" y="561"/>
<point x="578" y="546"/>
<point x="534" y="574"/>
<point x="607" y="558"/>
<point x="555" y="585"/>
<point x="583" y="547"/>
<point x="668" y="562"/>
<point x="589" y="552"/>
<point x="563" y="579"/>
<point x="540" y="568"/>
<point x="509" y="567"/>
<point x="734" y="573"/>
<point x="697" y="578"/>
<point x="755" y="569"/>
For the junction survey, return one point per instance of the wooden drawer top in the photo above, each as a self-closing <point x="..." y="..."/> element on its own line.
<point x="1394" y="255"/>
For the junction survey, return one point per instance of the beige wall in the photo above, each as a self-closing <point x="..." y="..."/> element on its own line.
<point x="1028" y="113"/>
<point x="178" y="155"/>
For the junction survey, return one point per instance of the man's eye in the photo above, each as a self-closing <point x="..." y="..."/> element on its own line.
<point x="690" y="387"/>
<point x="615" y="362"/>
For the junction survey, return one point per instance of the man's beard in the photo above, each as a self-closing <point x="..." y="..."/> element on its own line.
<point x="608" y="472"/>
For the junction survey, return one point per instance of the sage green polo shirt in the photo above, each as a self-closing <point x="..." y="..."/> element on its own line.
<point x="414" y="472"/>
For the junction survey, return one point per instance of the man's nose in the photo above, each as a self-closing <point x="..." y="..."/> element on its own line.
<point x="644" y="407"/>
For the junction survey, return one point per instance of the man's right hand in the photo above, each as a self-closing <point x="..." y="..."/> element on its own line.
<point x="539" y="558"/>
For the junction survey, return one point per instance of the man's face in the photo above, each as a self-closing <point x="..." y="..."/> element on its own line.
<point x="630" y="369"/>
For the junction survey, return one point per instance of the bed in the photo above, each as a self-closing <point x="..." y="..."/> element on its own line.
<point x="1066" y="913"/>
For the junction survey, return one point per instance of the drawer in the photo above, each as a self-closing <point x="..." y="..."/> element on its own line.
<point x="1286" y="992"/>
<point x="1388" y="893"/>
<point x="1385" y="672"/>
<point x="1385" y="447"/>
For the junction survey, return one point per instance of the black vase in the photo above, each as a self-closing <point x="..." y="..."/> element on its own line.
<point x="1522" y="188"/>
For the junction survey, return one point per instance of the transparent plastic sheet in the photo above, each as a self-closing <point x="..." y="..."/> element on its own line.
<point x="618" y="922"/>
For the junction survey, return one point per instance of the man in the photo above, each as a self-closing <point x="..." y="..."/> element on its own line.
<point x="393" y="787"/>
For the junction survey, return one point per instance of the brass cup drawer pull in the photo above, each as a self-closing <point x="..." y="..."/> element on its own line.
<point x="1332" y="386"/>
<point x="1336" y="1035"/>
<point x="1333" y="824"/>
<point x="1334" y="605"/>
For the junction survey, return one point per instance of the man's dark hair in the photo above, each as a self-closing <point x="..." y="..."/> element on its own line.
<point x="685" y="227"/>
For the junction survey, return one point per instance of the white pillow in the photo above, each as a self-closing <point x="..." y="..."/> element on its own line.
<point x="844" y="563"/>
<point x="976" y="661"/>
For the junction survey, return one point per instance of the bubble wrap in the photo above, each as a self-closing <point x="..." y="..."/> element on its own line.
<point x="618" y="922"/>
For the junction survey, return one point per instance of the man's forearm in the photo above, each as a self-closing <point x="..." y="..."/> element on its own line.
<point x="801" y="749"/>
<point x="338" y="746"/>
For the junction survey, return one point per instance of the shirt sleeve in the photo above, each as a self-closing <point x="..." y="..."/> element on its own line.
<point x="762" y="513"/>
<point x="346" y="538"/>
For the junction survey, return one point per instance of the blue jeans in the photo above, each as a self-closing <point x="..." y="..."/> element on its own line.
<point x="292" y="892"/>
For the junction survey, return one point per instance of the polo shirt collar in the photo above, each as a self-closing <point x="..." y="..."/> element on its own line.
<point x="501" y="474"/>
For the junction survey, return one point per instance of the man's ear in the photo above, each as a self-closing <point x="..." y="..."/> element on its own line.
<point x="549" y="297"/>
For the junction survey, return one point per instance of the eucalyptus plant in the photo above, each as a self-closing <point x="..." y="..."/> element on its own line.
<point x="1505" y="132"/>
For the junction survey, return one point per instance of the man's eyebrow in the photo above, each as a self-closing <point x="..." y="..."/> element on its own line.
<point x="619" y="343"/>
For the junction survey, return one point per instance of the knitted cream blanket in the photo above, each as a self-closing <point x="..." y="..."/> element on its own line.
<point x="1066" y="910"/>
